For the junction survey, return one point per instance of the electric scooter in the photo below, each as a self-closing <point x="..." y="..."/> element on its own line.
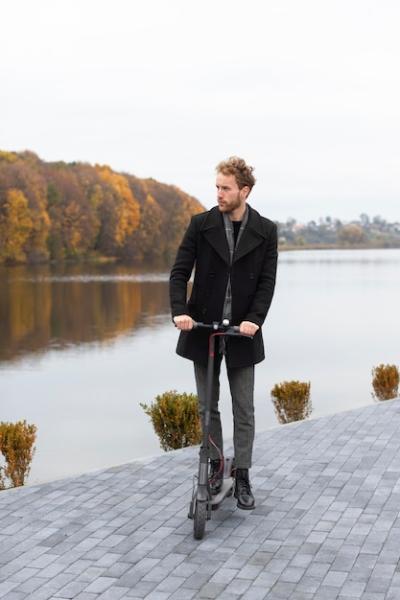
<point x="203" y="502"/>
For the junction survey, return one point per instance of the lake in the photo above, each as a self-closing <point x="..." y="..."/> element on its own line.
<point x="81" y="346"/>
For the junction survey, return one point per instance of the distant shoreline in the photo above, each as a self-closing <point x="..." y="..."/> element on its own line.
<point x="290" y="248"/>
<point x="162" y="265"/>
<point x="113" y="260"/>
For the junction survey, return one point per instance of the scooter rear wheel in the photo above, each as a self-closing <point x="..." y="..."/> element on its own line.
<point x="199" y="519"/>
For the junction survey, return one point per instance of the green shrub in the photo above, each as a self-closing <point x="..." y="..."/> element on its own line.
<point x="175" y="419"/>
<point x="16" y="445"/>
<point x="291" y="401"/>
<point x="385" y="382"/>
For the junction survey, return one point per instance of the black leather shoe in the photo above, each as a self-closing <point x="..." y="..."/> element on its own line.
<point x="216" y="476"/>
<point x="245" y="498"/>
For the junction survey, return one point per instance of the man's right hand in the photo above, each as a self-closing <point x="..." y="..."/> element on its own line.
<point x="184" y="322"/>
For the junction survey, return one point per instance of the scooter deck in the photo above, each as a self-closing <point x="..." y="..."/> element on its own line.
<point x="226" y="490"/>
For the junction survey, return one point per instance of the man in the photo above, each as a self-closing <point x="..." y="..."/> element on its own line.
<point x="234" y="252"/>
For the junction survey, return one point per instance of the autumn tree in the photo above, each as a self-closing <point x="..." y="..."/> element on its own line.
<point x="74" y="227"/>
<point x="24" y="174"/>
<point x="177" y="209"/>
<point x="351" y="234"/>
<point x="15" y="226"/>
<point x="119" y="212"/>
<point x="146" y="242"/>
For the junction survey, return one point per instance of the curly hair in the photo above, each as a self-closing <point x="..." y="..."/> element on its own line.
<point x="237" y="166"/>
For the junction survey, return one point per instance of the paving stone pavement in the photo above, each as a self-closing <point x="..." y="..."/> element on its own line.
<point x="326" y="525"/>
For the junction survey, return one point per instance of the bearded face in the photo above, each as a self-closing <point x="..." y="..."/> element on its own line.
<point x="229" y="197"/>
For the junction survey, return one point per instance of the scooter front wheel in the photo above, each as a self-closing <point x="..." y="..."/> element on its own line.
<point x="199" y="519"/>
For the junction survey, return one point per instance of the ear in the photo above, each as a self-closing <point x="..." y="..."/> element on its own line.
<point x="245" y="191"/>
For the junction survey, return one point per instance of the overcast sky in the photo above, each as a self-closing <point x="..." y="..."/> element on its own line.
<point x="307" y="92"/>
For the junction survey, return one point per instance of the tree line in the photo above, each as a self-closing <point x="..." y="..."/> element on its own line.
<point x="365" y="232"/>
<point x="59" y="210"/>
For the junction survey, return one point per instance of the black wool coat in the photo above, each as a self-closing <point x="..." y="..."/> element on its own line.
<point x="253" y="271"/>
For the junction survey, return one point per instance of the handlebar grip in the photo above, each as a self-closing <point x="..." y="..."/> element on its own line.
<point x="245" y="335"/>
<point x="204" y="325"/>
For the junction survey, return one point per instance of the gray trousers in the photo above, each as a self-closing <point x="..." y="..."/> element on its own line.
<point x="241" y="384"/>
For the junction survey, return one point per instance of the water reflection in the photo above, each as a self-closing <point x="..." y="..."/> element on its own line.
<point x="45" y="307"/>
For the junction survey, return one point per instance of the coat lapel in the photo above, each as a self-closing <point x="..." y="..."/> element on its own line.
<point x="213" y="231"/>
<point x="252" y="236"/>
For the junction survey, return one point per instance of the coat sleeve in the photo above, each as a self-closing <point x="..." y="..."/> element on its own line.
<point x="266" y="282"/>
<point x="182" y="270"/>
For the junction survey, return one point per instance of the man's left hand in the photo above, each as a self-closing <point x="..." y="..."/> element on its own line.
<point x="248" y="328"/>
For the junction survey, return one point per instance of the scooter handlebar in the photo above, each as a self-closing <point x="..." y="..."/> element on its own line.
<point x="223" y="328"/>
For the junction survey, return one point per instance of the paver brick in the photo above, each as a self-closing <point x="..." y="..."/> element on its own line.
<point x="6" y="587"/>
<point x="100" y="584"/>
<point x="30" y="585"/>
<point x="255" y="593"/>
<point x="170" y="584"/>
<point x="182" y="594"/>
<point x="72" y="589"/>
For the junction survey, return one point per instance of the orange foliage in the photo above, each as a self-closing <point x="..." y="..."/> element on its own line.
<point x="16" y="445"/>
<point x="15" y="226"/>
<point x="126" y="208"/>
<point x="60" y="210"/>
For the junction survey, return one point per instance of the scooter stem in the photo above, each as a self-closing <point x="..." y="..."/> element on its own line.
<point x="204" y="450"/>
<point x="209" y="388"/>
